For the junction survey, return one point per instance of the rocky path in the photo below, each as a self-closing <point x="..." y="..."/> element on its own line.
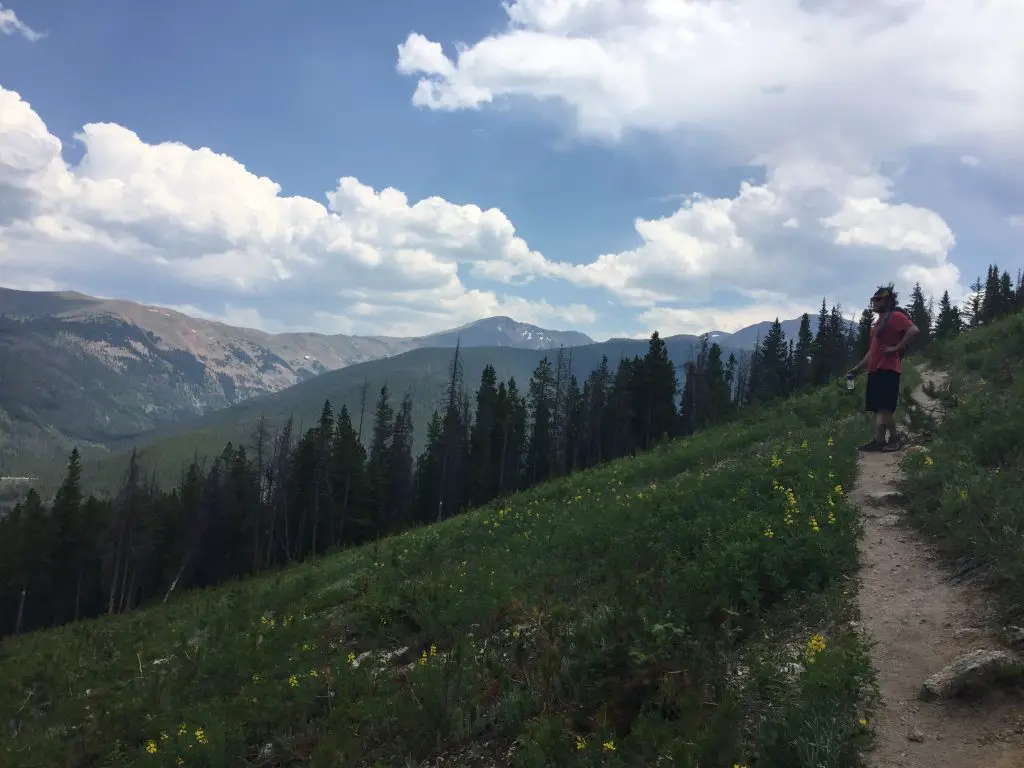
<point x="920" y="621"/>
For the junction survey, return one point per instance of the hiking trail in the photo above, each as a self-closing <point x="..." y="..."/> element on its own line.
<point x="919" y="619"/>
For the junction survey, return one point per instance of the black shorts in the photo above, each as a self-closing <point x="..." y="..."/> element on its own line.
<point x="883" y="392"/>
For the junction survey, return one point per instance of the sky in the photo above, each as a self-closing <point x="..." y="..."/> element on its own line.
<point x="608" y="166"/>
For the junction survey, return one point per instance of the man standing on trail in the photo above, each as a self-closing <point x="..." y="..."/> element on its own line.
<point x="890" y="335"/>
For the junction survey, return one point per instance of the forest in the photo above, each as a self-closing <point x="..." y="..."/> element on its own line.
<point x="352" y="478"/>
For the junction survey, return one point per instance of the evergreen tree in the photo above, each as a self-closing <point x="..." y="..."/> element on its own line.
<point x="920" y="316"/>
<point x="772" y="365"/>
<point x="864" y="326"/>
<point x="947" y="324"/>
<point x="803" y="354"/>
<point x="541" y="399"/>
<point x="654" y="395"/>
<point x="971" y="312"/>
<point x="378" y="467"/>
<point x="1007" y="296"/>
<point x="348" y="477"/>
<point x="68" y="560"/>
<point x="482" y="459"/>
<point x="400" y="468"/>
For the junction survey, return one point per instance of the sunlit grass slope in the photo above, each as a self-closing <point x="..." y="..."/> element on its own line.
<point x="968" y="487"/>
<point x="686" y="607"/>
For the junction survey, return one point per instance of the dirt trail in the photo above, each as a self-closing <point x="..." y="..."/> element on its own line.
<point x="919" y="621"/>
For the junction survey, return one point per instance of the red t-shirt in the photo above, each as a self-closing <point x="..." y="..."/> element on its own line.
<point x="890" y="337"/>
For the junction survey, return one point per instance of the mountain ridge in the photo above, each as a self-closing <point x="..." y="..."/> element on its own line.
<point x="80" y="370"/>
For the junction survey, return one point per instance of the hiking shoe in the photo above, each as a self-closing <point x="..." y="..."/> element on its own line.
<point x="871" y="446"/>
<point x="895" y="443"/>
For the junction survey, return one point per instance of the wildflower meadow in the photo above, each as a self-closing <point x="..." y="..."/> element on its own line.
<point x="690" y="606"/>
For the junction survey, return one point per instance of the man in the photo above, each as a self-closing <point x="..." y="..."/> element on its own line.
<point x="890" y="335"/>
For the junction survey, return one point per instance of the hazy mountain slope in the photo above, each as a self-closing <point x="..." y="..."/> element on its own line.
<point x="423" y="373"/>
<point x="79" y="370"/>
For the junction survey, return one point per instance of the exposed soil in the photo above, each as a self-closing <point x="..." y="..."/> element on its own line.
<point x="919" y="619"/>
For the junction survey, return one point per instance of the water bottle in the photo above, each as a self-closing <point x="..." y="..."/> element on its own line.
<point x="850" y="380"/>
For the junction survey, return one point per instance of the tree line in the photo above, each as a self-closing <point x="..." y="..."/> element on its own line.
<point x="352" y="477"/>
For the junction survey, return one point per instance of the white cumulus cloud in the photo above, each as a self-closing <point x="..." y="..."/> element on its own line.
<point x="369" y="261"/>
<point x="818" y="76"/>
<point x="819" y="95"/>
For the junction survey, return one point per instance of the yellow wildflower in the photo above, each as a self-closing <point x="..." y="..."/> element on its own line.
<point x="804" y="445"/>
<point x="200" y="736"/>
<point x="433" y="650"/>
<point x="293" y="681"/>
<point x="581" y="743"/>
<point x="928" y="461"/>
<point x="351" y="657"/>
<point x="164" y="736"/>
<point x="151" y="747"/>
<point x="815" y="645"/>
<point x="609" y="746"/>
<point x="769" y="533"/>
<point x="313" y="673"/>
<point x="182" y="729"/>
<point x="423" y="659"/>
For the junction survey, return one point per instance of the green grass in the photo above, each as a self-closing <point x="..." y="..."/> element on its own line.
<point x="966" y="488"/>
<point x="662" y="605"/>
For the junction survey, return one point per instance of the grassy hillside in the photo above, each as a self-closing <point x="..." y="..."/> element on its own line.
<point x="689" y="607"/>
<point x="422" y="372"/>
<point x="966" y="487"/>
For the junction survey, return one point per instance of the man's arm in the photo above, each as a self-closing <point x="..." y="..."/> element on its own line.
<point x="862" y="364"/>
<point x="908" y="336"/>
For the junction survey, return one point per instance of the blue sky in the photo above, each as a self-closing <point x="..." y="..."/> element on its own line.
<point x="573" y="142"/>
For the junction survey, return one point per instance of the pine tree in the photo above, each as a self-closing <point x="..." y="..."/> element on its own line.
<point x="400" y="468"/>
<point x="921" y="317"/>
<point x="971" y="312"/>
<point x="595" y="394"/>
<point x="864" y="326"/>
<point x="654" y="395"/>
<point x="481" y="440"/>
<point x="541" y="398"/>
<point x="574" y="426"/>
<point x="947" y="324"/>
<point x="991" y="299"/>
<point x="454" y="441"/>
<point x="803" y="354"/>
<point x="772" y="368"/>
<point x="510" y="440"/>
<point x="427" y="481"/>
<point x="68" y="558"/>
<point x="618" y="414"/>
<point x="378" y="468"/>
<point x="348" y="473"/>
<point x="1007" y="295"/>
<point x="718" y="405"/>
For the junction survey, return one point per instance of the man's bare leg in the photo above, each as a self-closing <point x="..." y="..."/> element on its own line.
<point x="887" y="421"/>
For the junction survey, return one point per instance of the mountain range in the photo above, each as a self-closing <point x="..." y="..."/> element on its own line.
<point x="107" y="375"/>
<point x="82" y="370"/>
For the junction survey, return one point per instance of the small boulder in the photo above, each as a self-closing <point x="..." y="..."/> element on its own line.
<point x="973" y="670"/>
<point x="884" y="498"/>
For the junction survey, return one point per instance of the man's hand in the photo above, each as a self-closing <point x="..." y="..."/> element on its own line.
<point x="890" y="350"/>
